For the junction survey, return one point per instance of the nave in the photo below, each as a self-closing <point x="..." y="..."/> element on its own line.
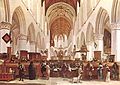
<point x="70" y="38"/>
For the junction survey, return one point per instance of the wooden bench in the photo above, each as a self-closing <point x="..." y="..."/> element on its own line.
<point x="6" y="77"/>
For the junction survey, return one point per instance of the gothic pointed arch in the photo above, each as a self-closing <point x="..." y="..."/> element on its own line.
<point x="21" y="18"/>
<point x="101" y="20"/>
<point x="103" y="29"/>
<point x="18" y="28"/>
<point x="15" y="31"/>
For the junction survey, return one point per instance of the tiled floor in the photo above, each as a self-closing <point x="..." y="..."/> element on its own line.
<point x="58" y="81"/>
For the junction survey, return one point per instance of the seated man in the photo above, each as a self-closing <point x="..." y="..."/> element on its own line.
<point x="12" y="59"/>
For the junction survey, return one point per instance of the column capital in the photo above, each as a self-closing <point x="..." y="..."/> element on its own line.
<point x="115" y="26"/>
<point x="5" y="25"/>
<point x="22" y="37"/>
<point x="32" y="42"/>
<point x="99" y="36"/>
<point x="89" y="43"/>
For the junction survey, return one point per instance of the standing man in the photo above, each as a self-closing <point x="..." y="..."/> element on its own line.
<point x="31" y="71"/>
<point x="21" y="71"/>
<point x="43" y="69"/>
<point x="80" y="72"/>
<point x="48" y="71"/>
<point x="108" y="74"/>
<point x="115" y="71"/>
<point x="100" y="71"/>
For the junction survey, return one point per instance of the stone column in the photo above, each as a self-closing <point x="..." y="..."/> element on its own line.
<point x="32" y="46"/>
<point x="43" y="16"/>
<point x="22" y="42"/>
<point x="90" y="55"/>
<point x="45" y="29"/>
<point x="74" y="40"/>
<point x="115" y="41"/>
<point x="37" y="47"/>
<point x="99" y="43"/>
<point x="48" y="46"/>
<point x="79" y="14"/>
<point x="38" y="50"/>
<point x="22" y="48"/>
<point x="4" y="29"/>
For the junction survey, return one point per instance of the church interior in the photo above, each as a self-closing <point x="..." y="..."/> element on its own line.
<point x="64" y="34"/>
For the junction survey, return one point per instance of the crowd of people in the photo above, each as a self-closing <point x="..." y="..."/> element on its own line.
<point x="45" y="71"/>
<point x="103" y="71"/>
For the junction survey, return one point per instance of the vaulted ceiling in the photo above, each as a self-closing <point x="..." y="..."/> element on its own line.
<point x="48" y="3"/>
<point x="60" y="16"/>
<point x="60" y="26"/>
